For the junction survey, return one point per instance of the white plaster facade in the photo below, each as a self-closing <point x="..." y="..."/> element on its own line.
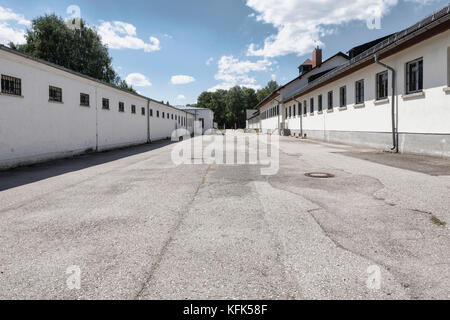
<point x="33" y="129"/>
<point x="423" y="124"/>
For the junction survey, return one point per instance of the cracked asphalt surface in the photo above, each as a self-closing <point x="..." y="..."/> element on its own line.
<point x="140" y="227"/>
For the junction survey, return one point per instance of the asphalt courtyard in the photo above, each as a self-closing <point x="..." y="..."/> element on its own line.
<point x="133" y="225"/>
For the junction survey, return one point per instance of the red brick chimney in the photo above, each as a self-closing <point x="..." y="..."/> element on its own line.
<point x="317" y="57"/>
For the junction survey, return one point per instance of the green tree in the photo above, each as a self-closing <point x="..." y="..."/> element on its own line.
<point x="264" y="92"/>
<point x="80" y="50"/>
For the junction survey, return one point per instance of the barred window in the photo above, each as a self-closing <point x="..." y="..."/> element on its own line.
<point x="84" y="100"/>
<point x="11" y="85"/>
<point x="343" y="96"/>
<point x="121" y="107"/>
<point x="330" y="100"/>
<point x="105" y="104"/>
<point x="55" y="94"/>
<point x="359" y="90"/>
<point x="414" y="76"/>
<point x="382" y="85"/>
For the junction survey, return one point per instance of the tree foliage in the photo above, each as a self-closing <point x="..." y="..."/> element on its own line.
<point x="80" y="49"/>
<point x="229" y="106"/>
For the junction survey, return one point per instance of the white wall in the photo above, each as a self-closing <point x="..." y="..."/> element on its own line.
<point x="33" y="129"/>
<point x="427" y="114"/>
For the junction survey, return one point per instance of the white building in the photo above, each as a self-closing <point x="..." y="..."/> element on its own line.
<point x="50" y="112"/>
<point x="204" y="116"/>
<point x="352" y="101"/>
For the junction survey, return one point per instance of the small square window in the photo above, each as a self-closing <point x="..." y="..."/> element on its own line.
<point x="105" y="104"/>
<point x="121" y="107"/>
<point x="11" y="85"/>
<point x="55" y="94"/>
<point x="84" y="100"/>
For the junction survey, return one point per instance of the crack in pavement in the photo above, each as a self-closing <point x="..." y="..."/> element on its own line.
<point x="172" y="233"/>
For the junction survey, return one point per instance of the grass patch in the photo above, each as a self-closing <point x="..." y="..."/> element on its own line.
<point x="438" y="222"/>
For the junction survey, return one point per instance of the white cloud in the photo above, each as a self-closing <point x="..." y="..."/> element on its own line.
<point x="209" y="61"/>
<point x="301" y="23"/>
<point x="138" y="80"/>
<point x="234" y="72"/>
<point x="182" y="79"/>
<point x="8" y="15"/>
<point x="12" y="26"/>
<point x="274" y="77"/>
<point x="122" y="35"/>
<point x="181" y="97"/>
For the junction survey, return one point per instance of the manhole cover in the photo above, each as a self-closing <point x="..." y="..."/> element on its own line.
<point x="319" y="175"/>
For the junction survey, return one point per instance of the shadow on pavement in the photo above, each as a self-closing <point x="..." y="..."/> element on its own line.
<point x="28" y="174"/>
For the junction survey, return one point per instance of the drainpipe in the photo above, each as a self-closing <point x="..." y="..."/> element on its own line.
<point x="148" y="122"/>
<point x="394" y="114"/>
<point x="301" y="118"/>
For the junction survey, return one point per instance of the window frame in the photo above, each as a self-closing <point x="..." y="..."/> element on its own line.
<point x="377" y="86"/>
<point x="419" y="80"/>
<point x="57" y="98"/>
<point x="358" y="98"/>
<point x="16" y="89"/>
<point x="103" y="103"/>
<point x="142" y="111"/>
<point x="84" y="104"/>
<point x="311" y="105"/>
<point x="133" y="109"/>
<point x="330" y="102"/>
<point x="343" y="96"/>
<point x="320" y="103"/>
<point x="121" y="106"/>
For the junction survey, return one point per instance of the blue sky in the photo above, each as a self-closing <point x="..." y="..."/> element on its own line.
<point x="173" y="50"/>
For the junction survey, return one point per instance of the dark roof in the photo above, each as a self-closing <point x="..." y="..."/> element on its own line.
<point x="250" y="113"/>
<point x="318" y="75"/>
<point x="353" y="52"/>
<point x="53" y="65"/>
<point x="428" y="27"/>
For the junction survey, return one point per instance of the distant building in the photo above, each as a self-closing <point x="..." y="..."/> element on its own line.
<point x="353" y="99"/>
<point x="203" y="115"/>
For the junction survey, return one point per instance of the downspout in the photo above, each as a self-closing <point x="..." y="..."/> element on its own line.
<point x="96" y="118"/>
<point x="149" y="140"/>
<point x="394" y="114"/>
<point x="301" y="118"/>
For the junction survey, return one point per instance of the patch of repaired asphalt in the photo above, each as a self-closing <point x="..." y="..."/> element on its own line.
<point x="419" y="163"/>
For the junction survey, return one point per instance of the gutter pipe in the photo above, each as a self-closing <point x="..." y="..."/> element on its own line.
<point x="394" y="113"/>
